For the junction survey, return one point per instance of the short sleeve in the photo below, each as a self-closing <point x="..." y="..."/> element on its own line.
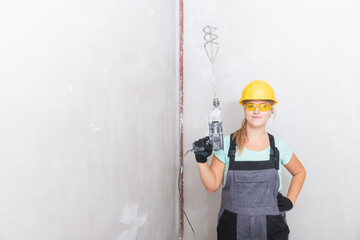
<point x="222" y="154"/>
<point x="285" y="152"/>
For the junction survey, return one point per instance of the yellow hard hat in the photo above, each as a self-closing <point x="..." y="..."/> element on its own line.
<point x="258" y="90"/>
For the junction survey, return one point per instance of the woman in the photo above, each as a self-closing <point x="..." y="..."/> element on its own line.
<point x="249" y="170"/>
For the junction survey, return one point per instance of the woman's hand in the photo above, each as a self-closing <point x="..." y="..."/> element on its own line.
<point x="202" y="149"/>
<point x="284" y="203"/>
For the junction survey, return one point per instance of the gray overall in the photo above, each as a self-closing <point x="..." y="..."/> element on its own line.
<point x="249" y="208"/>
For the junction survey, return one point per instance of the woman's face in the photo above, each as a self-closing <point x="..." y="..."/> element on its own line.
<point x="257" y="118"/>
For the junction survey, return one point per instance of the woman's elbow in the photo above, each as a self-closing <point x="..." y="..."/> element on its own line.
<point x="212" y="189"/>
<point x="301" y="173"/>
<point x="304" y="172"/>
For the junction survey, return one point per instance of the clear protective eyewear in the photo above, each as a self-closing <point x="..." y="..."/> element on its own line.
<point x="263" y="107"/>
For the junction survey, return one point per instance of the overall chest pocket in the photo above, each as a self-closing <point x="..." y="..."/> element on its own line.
<point x="253" y="189"/>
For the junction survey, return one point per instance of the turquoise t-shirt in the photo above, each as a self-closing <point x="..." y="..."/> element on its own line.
<point x="248" y="155"/>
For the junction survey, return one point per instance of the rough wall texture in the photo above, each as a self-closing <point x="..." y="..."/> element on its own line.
<point x="88" y="130"/>
<point x="309" y="51"/>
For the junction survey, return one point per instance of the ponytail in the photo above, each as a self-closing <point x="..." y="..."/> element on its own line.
<point x="241" y="136"/>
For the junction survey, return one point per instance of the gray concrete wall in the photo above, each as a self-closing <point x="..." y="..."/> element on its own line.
<point x="309" y="51"/>
<point x="88" y="123"/>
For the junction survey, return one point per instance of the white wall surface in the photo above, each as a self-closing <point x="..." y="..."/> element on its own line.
<point x="88" y="128"/>
<point x="88" y="123"/>
<point x="309" y="52"/>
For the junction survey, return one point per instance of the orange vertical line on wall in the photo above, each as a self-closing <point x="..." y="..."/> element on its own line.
<point x="181" y="197"/>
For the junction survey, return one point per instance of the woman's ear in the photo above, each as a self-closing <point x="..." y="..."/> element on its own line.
<point x="272" y="110"/>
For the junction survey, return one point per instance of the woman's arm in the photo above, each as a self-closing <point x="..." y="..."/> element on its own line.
<point x="298" y="171"/>
<point x="212" y="175"/>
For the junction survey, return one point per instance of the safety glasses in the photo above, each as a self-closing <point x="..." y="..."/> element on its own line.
<point x="263" y="107"/>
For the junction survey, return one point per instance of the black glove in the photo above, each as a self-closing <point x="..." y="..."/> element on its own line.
<point x="284" y="203"/>
<point x="202" y="149"/>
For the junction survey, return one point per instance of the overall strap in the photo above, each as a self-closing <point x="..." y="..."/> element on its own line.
<point x="232" y="148"/>
<point x="273" y="162"/>
<point x="274" y="152"/>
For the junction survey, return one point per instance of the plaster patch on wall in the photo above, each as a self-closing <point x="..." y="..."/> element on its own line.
<point x="133" y="222"/>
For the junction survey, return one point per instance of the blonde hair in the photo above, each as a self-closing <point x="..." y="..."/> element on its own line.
<point x="241" y="137"/>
